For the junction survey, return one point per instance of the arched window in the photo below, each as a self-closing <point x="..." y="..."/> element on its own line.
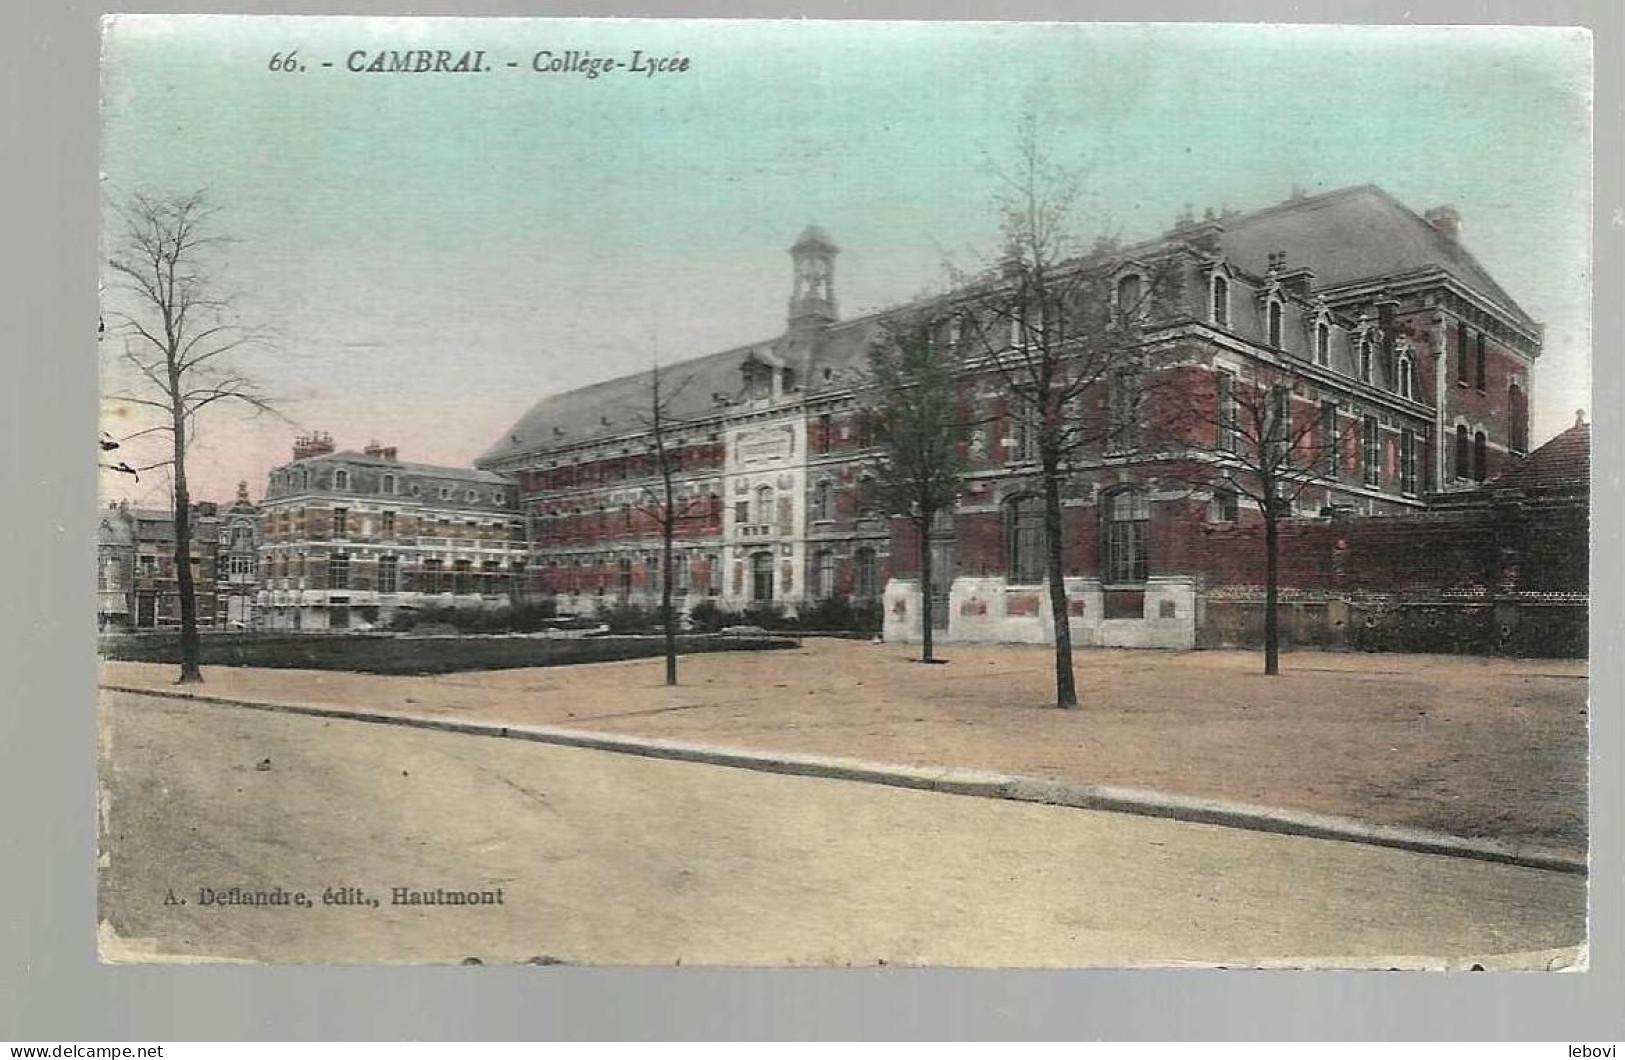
<point x="1364" y="345"/>
<point x="1127" y="516"/>
<point x="341" y="479"/>
<point x="1275" y="312"/>
<point x="865" y="574"/>
<point x="1481" y="457"/>
<point x="1024" y="538"/>
<point x="823" y="502"/>
<point x="761" y="576"/>
<point x="389" y="484"/>
<point x="1130" y="296"/>
<point x="1323" y="343"/>
<point x="1464" y="456"/>
<point x="824" y="574"/>
<point x="1221" y="301"/>
<point x="764" y="505"/>
<point x="1404" y="381"/>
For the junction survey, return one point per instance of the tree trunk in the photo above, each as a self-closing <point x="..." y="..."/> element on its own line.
<point x="1066" y="690"/>
<point x="925" y="588"/>
<point x="1272" y="633"/>
<point x="191" y="653"/>
<point x="667" y="618"/>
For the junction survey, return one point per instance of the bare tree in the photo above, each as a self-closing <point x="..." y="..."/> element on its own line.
<point x="177" y="339"/>
<point x="919" y="427"/>
<point x="1253" y="437"/>
<point x="660" y="500"/>
<point x="1054" y="328"/>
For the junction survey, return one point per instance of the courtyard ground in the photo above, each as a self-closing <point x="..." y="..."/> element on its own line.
<point x="606" y="858"/>
<point x="1491" y="748"/>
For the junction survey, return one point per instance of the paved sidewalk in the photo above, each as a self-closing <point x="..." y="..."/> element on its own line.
<point x="1482" y="748"/>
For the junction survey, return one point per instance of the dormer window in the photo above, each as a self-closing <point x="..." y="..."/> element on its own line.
<point x="341" y="479"/>
<point x="1364" y="350"/>
<point x="1273" y="316"/>
<point x="1404" y="382"/>
<point x="1220" y="300"/>
<point x="1323" y="343"/>
<point x="1129" y="298"/>
<point x="388" y="486"/>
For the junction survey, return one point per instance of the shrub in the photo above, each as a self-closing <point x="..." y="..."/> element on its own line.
<point x="622" y="617"/>
<point x="842" y="614"/>
<point x="707" y="617"/>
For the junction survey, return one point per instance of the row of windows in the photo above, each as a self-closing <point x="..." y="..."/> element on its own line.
<point x="1404" y="382"/>
<point x="1125" y="524"/>
<point x="434" y="576"/>
<point x="300" y="479"/>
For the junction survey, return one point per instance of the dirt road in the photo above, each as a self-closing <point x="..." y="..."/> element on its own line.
<point x="604" y="858"/>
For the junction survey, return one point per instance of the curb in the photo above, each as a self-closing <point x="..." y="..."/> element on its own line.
<point x="976" y="783"/>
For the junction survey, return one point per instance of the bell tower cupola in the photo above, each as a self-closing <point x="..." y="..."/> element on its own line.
<point x="812" y="299"/>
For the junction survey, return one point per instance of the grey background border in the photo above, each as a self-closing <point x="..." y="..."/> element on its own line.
<point x="51" y="988"/>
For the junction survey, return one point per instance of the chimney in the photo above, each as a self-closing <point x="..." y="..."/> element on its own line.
<point x="382" y="452"/>
<point x="1447" y="220"/>
<point x="317" y="443"/>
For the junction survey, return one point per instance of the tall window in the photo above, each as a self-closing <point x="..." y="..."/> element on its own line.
<point x="341" y="522"/>
<point x="865" y="574"/>
<point x="1481" y="457"/>
<point x="1228" y="429"/>
<point x="1327" y="442"/>
<point x="1373" y="451"/>
<point x="389" y="484"/>
<point x="1405" y="381"/>
<point x="1461" y="351"/>
<point x="1323" y="343"/>
<point x="826" y="427"/>
<point x="1225" y="506"/>
<point x="623" y="577"/>
<point x="761" y="576"/>
<point x="680" y="573"/>
<point x="1128" y="515"/>
<point x="1130" y="291"/>
<point x="1464" y="453"/>
<point x="341" y="479"/>
<point x="1481" y="365"/>
<point x="823" y="502"/>
<point x="651" y="574"/>
<point x="764" y="505"/>
<point x="1123" y="427"/>
<point x="824" y="574"/>
<point x="1278" y="423"/>
<point x="1407" y="461"/>
<point x="1364" y="347"/>
<point x="1517" y="419"/>
<point x="1221" y="301"/>
<point x="434" y="576"/>
<point x="1024" y="431"/>
<point x="338" y="571"/>
<point x="1275" y="324"/>
<point x="1024" y="535"/>
<point x="741" y="513"/>
<point x="713" y="575"/>
<point x="389" y="576"/>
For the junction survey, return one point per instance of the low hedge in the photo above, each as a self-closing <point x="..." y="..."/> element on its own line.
<point x="382" y="653"/>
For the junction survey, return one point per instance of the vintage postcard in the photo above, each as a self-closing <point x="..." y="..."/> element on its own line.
<point x="843" y="493"/>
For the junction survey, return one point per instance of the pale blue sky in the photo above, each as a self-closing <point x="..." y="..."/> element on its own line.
<point x="435" y="252"/>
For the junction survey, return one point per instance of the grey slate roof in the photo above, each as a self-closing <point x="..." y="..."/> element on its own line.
<point x="1344" y="236"/>
<point x="1355" y="234"/>
<point x="405" y="467"/>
